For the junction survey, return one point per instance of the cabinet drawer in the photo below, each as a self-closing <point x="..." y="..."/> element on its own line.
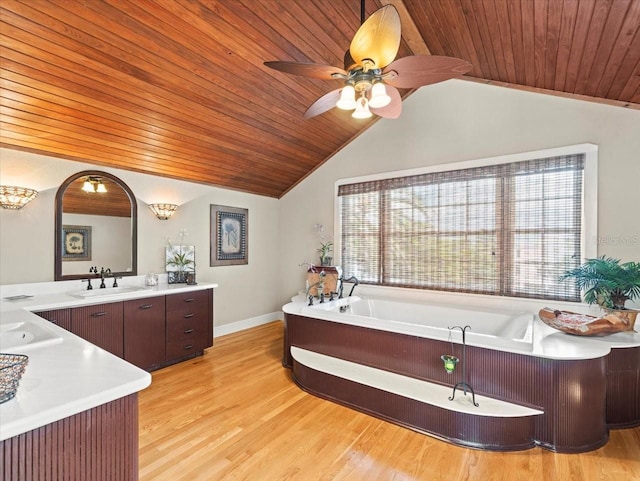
<point x="191" y="304"/>
<point x="185" y="347"/>
<point x="186" y="328"/>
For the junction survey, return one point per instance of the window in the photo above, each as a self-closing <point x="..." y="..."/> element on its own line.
<point x="509" y="229"/>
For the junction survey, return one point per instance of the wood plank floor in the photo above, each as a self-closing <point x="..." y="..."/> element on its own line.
<point x="235" y="414"/>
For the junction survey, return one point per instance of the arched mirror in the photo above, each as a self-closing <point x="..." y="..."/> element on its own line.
<point x="96" y="225"/>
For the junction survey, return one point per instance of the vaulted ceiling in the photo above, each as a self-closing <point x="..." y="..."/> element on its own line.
<point x="177" y="88"/>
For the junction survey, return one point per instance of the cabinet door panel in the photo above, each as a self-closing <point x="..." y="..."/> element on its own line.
<point x="101" y="324"/>
<point x="144" y="332"/>
<point x="59" y="317"/>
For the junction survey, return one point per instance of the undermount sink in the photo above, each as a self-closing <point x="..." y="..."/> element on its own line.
<point x="21" y="336"/>
<point x="109" y="291"/>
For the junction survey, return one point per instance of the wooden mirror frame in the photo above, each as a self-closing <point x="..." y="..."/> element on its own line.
<point x="58" y="276"/>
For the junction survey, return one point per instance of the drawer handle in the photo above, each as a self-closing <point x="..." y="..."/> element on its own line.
<point x="146" y="306"/>
<point x="188" y="331"/>
<point x="190" y="346"/>
<point x="98" y="314"/>
<point x="189" y="299"/>
<point x="188" y="316"/>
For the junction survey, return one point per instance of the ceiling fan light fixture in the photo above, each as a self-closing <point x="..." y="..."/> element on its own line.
<point x="362" y="109"/>
<point x="379" y="97"/>
<point x="347" y="99"/>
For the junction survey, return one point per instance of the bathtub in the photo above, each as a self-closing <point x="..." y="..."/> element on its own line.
<point x="504" y="329"/>
<point x="535" y="386"/>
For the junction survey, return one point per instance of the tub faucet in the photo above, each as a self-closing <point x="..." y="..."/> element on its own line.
<point x="343" y="280"/>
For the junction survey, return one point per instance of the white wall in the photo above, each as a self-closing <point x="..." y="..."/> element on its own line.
<point x="457" y="120"/>
<point x="244" y="292"/>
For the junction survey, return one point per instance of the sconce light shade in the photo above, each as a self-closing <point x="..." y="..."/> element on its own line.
<point x="87" y="186"/>
<point x="163" y="211"/>
<point x="12" y="197"/>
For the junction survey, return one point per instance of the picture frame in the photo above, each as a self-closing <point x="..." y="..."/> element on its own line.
<point x="229" y="235"/>
<point x="76" y="243"/>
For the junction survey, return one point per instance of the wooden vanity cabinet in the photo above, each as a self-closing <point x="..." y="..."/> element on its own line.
<point x="59" y="317"/>
<point x="144" y="332"/>
<point x="150" y="332"/>
<point x="100" y="324"/>
<point x="189" y="324"/>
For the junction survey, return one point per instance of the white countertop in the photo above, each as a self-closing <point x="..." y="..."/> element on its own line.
<point x="546" y="342"/>
<point x="73" y="375"/>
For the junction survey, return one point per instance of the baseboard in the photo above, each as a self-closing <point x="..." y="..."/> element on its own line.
<point x="232" y="327"/>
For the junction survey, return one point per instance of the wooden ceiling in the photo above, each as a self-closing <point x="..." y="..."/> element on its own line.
<point x="177" y="88"/>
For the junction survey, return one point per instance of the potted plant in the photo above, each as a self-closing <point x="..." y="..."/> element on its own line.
<point x="180" y="261"/>
<point x="325" y="250"/>
<point x="608" y="283"/>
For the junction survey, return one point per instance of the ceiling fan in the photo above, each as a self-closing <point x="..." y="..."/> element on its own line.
<point x="371" y="76"/>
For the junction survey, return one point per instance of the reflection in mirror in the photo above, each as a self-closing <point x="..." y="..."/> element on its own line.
<point x="96" y="225"/>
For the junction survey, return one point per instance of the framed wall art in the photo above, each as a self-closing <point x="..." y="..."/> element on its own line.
<point x="229" y="235"/>
<point x="76" y="243"/>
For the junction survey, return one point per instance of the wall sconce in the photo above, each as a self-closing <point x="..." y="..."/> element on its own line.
<point x="163" y="211"/>
<point x="94" y="184"/>
<point x="15" y="198"/>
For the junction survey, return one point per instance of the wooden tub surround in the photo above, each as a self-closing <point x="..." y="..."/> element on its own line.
<point x="525" y="400"/>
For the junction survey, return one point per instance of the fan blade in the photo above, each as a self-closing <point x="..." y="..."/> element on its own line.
<point x="324" y="103"/>
<point x="394" y="109"/>
<point x="313" y="70"/>
<point x="418" y="70"/>
<point x="378" y="38"/>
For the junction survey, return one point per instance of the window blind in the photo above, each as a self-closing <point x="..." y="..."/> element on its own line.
<point x="509" y="229"/>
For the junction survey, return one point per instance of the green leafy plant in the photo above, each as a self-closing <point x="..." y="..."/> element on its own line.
<point x="181" y="261"/>
<point x="606" y="282"/>
<point x="325" y="249"/>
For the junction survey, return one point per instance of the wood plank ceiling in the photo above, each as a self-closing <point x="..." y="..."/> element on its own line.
<point x="177" y="88"/>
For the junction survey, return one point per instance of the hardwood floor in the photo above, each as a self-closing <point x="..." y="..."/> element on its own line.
<point x="235" y="414"/>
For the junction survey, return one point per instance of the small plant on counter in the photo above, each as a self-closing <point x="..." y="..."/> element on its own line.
<point x="325" y="250"/>
<point x="180" y="261"/>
